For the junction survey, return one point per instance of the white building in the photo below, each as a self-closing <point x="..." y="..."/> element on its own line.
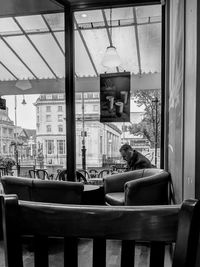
<point x="6" y="133"/>
<point x="102" y="141"/>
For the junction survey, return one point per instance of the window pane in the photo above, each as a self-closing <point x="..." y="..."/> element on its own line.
<point x="136" y="34"/>
<point x="32" y="129"/>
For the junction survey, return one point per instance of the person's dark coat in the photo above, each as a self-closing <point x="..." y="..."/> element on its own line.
<point x="138" y="161"/>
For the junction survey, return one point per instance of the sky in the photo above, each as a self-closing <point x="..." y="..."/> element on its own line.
<point x="26" y="114"/>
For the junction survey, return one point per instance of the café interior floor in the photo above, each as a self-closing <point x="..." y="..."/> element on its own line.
<point x="85" y="255"/>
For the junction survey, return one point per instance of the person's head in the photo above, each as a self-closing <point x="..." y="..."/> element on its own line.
<point x="126" y="152"/>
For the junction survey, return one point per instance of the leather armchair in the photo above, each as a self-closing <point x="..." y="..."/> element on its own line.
<point x="139" y="187"/>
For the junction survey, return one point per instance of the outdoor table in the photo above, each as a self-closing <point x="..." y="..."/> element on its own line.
<point x="93" y="195"/>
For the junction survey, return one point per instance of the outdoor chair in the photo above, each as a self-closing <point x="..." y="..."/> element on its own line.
<point x="42" y="174"/>
<point x="32" y="173"/>
<point x="152" y="225"/>
<point x="62" y="176"/>
<point x="93" y="173"/>
<point x="103" y="173"/>
<point x="85" y="173"/>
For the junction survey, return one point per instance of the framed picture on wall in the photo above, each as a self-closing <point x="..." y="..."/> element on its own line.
<point x="115" y="97"/>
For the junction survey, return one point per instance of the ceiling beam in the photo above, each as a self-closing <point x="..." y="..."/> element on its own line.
<point x="10" y="8"/>
<point x="77" y="5"/>
<point x="81" y="27"/>
<point x="82" y="84"/>
<point x="137" y="41"/>
<point x="86" y="47"/>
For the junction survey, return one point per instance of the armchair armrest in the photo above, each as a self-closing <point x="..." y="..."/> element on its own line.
<point x="152" y="190"/>
<point x="116" y="182"/>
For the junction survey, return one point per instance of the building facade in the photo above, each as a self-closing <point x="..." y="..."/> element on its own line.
<point x="101" y="141"/>
<point x="6" y="133"/>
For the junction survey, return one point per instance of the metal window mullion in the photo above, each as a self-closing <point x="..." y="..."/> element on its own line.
<point x="34" y="46"/>
<point x="137" y="41"/>
<point x="10" y="47"/>
<point x="9" y="70"/>
<point x="107" y="30"/>
<point x="84" y="29"/>
<point x="106" y="26"/>
<point x="53" y="35"/>
<point x="86" y="47"/>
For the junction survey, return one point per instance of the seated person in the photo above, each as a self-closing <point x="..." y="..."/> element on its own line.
<point x="135" y="160"/>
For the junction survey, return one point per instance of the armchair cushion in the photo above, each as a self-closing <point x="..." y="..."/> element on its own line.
<point x="116" y="182"/>
<point x="115" y="199"/>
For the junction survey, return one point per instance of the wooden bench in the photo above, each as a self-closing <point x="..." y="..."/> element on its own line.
<point x="156" y="225"/>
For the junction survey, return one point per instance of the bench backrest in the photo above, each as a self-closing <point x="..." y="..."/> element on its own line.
<point x="154" y="224"/>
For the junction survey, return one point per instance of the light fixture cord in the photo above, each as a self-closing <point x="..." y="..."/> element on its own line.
<point x="111" y="26"/>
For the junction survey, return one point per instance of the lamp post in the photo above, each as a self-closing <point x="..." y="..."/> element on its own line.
<point x="156" y="128"/>
<point x="83" y="134"/>
<point x="17" y="143"/>
<point x="110" y="146"/>
<point x="16" y="152"/>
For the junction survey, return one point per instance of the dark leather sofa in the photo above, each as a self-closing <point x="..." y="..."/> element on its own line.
<point x="63" y="192"/>
<point x="139" y="187"/>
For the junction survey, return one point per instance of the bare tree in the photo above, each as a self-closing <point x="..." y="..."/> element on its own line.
<point x="149" y="127"/>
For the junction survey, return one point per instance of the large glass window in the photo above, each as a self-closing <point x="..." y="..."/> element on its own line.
<point x="33" y="68"/>
<point x="136" y="34"/>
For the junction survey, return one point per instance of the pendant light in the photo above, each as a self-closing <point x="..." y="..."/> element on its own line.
<point x="111" y="58"/>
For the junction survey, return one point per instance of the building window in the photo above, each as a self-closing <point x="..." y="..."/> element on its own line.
<point x="4" y="149"/>
<point x="48" y="108"/>
<point x="50" y="146"/>
<point x="55" y="96"/>
<point x="61" y="147"/>
<point x="49" y="97"/>
<point x="78" y="96"/>
<point x="60" y="128"/>
<point x="60" y="109"/>
<point x="60" y="117"/>
<point x="48" y="128"/>
<point x="61" y="96"/>
<point x="48" y="118"/>
<point x="90" y="95"/>
<point x="96" y="95"/>
<point x="10" y="131"/>
<point x="4" y="131"/>
<point x="101" y="144"/>
<point x="38" y="109"/>
<point x="95" y="108"/>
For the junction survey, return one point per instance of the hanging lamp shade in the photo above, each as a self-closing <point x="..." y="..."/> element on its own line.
<point x="111" y="58"/>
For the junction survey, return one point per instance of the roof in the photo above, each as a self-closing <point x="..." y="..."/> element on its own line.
<point x="28" y="42"/>
<point x="30" y="132"/>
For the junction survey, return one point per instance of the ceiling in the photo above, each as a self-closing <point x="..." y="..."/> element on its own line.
<point x="32" y="46"/>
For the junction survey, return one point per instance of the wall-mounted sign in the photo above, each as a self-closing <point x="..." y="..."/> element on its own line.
<point x="115" y="97"/>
